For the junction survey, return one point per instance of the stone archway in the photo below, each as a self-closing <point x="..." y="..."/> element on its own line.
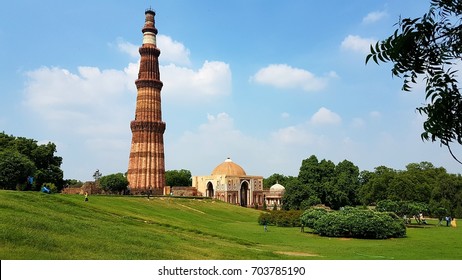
<point x="244" y="193"/>
<point x="209" y="191"/>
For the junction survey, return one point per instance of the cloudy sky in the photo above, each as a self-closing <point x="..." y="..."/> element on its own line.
<point x="267" y="83"/>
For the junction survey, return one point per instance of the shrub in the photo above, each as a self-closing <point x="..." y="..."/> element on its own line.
<point x="388" y="205"/>
<point x="289" y="218"/>
<point x="281" y="218"/>
<point x="265" y="218"/>
<point x="311" y="201"/>
<point x="359" y="223"/>
<point x="115" y="183"/>
<point x="310" y="216"/>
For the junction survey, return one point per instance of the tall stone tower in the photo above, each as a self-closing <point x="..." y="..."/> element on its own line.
<point x="146" y="168"/>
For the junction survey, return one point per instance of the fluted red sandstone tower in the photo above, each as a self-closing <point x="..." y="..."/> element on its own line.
<point x="146" y="168"/>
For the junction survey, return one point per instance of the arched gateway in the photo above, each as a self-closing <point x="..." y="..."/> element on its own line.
<point x="244" y="193"/>
<point x="230" y="183"/>
<point x="209" y="192"/>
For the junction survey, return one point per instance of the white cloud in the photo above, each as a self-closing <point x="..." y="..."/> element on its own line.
<point x="128" y="48"/>
<point x="219" y="123"/>
<point x="375" y="114"/>
<point x="325" y="116"/>
<point x="92" y="105"/>
<point x="293" y="135"/>
<point x="287" y="77"/>
<point x="57" y="88"/>
<point x="181" y="83"/>
<point x="357" y="44"/>
<point x="285" y="115"/>
<point x="373" y="17"/>
<point x="281" y="150"/>
<point x="84" y="109"/>
<point x="172" y="51"/>
<point x="358" y="123"/>
<point x="92" y="101"/>
<point x="211" y="143"/>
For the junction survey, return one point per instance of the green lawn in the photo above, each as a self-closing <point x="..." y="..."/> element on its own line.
<point x="40" y="226"/>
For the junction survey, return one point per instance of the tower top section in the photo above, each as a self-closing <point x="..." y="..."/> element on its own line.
<point x="149" y="30"/>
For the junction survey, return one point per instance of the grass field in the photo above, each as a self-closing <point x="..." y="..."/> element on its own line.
<point x="40" y="226"/>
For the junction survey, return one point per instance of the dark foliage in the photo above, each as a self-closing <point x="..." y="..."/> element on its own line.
<point x="178" y="178"/>
<point x="310" y="216"/>
<point x="114" y="183"/>
<point x="322" y="182"/>
<point x="30" y="165"/>
<point x="281" y="218"/>
<point x="359" y="223"/>
<point x="430" y="46"/>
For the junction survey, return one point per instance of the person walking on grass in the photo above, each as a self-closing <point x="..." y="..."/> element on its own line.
<point x="265" y="226"/>
<point x="86" y="196"/>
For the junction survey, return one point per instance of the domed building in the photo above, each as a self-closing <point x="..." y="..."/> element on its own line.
<point x="273" y="198"/>
<point x="229" y="182"/>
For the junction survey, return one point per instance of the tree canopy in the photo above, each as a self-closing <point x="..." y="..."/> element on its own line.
<point x="337" y="186"/>
<point x="322" y="182"/>
<point x="14" y="169"/>
<point x="178" y="178"/>
<point x="430" y="46"/>
<point x="115" y="183"/>
<point x="26" y="165"/>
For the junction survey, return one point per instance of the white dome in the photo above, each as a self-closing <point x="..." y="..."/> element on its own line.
<point x="277" y="188"/>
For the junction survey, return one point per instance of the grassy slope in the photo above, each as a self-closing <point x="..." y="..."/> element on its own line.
<point x="40" y="226"/>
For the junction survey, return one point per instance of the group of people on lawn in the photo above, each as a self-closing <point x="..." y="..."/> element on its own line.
<point x="421" y="220"/>
<point x="450" y="221"/>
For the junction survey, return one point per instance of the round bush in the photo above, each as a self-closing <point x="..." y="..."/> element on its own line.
<point x="281" y="218"/>
<point x="310" y="216"/>
<point x="265" y="218"/>
<point x="360" y="224"/>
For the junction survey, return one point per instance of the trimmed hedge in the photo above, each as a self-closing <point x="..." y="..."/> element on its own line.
<point x="310" y="216"/>
<point x="281" y="218"/>
<point x="355" y="223"/>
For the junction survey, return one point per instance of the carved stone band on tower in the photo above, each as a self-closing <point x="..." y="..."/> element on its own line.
<point x="146" y="168"/>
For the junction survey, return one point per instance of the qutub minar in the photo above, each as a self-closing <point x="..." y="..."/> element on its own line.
<point x="146" y="168"/>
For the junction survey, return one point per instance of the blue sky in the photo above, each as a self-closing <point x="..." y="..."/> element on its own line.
<point x="267" y="83"/>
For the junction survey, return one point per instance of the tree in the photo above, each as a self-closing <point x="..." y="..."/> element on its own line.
<point x="273" y="179"/>
<point x="15" y="168"/>
<point x="47" y="166"/>
<point x="430" y="46"/>
<point x="346" y="181"/>
<point x="333" y="185"/>
<point x="178" y="178"/>
<point x="115" y="183"/>
<point x="376" y="187"/>
<point x="314" y="172"/>
<point x="317" y="175"/>
<point x="295" y="194"/>
<point x="402" y="187"/>
<point x="73" y="183"/>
